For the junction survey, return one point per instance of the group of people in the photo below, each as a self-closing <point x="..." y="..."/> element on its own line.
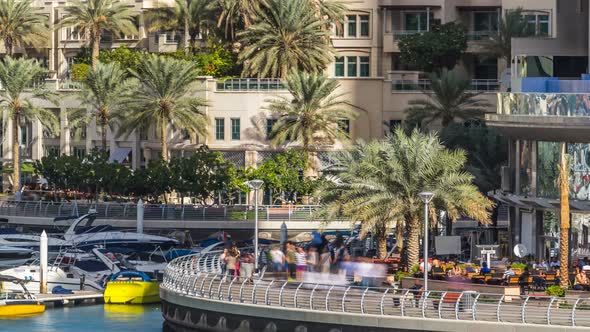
<point x="237" y="264"/>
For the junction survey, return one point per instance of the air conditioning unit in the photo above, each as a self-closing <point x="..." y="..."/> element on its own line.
<point x="506" y="178"/>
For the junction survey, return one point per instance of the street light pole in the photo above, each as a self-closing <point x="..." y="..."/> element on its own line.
<point x="426" y="198"/>
<point x="256" y="185"/>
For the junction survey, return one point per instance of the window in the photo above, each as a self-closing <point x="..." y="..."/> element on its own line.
<point x="355" y="26"/>
<point x="417" y="21"/>
<point x="70" y="61"/>
<point x="73" y="33"/>
<point x="78" y="151"/>
<point x="219" y="129"/>
<point x="364" y="66"/>
<point x="51" y="150"/>
<point x="172" y="37"/>
<point x="235" y="129"/>
<point x="339" y="66"/>
<point x="485" y="21"/>
<point x="344" y="125"/>
<point x="356" y="66"/>
<point x="352" y="70"/>
<point x="23" y="135"/>
<point x="186" y="135"/>
<point x="364" y="25"/>
<point x="351" y="23"/>
<point x="538" y="24"/>
<point x="269" y="125"/>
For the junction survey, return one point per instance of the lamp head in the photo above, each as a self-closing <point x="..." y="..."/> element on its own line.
<point x="255" y="184"/>
<point x="426" y="196"/>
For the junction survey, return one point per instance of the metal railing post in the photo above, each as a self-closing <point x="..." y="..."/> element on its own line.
<point x="573" y="312"/>
<point x="229" y="295"/>
<point x="363" y="300"/>
<point x="474" y="310"/>
<point x="440" y="304"/>
<point x="254" y="291"/>
<point x="281" y="293"/>
<point x="549" y="310"/>
<point x="403" y="303"/>
<point x="266" y="300"/>
<point x="295" y="295"/>
<point x="211" y="285"/>
<point x="382" y="301"/>
<point x="523" y="312"/>
<point x="343" y="305"/>
<point x="498" y="309"/>
<point x="328" y="297"/>
<point x="424" y="299"/>
<point x="203" y="284"/>
<point x="311" y="296"/>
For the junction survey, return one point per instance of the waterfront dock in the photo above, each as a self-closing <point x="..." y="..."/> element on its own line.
<point x="79" y="297"/>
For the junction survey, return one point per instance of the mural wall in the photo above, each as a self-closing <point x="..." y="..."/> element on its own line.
<point x="544" y="104"/>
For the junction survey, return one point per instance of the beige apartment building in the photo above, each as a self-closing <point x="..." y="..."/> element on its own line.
<point x="367" y="67"/>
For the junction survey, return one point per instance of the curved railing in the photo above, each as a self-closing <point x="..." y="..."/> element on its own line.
<point x="200" y="277"/>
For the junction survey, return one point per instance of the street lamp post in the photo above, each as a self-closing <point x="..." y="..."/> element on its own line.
<point x="255" y="185"/>
<point x="426" y="197"/>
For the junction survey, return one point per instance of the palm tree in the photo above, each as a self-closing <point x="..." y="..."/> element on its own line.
<point x="379" y="184"/>
<point x="16" y="77"/>
<point x="287" y="36"/>
<point x="164" y="97"/>
<point x="234" y="12"/>
<point x="93" y="17"/>
<point x="105" y="93"/>
<point x="187" y="15"/>
<point x="564" y="210"/>
<point x="448" y="100"/>
<point x="312" y="114"/>
<point x="21" y="24"/>
<point x="331" y="10"/>
<point x="513" y="24"/>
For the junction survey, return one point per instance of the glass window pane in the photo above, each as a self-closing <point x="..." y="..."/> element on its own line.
<point x="351" y="66"/>
<point x="544" y="25"/>
<point x="365" y="68"/>
<point x="482" y="22"/>
<point x="235" y="129"/>
<point x="411" y="21"/>
<point x="219" y="129"/>
<point x="531" y="23"/>
<point x="339" y="67"/>
<point x="364" y="25"/>
<point x="423" y="22"/>
<point x="351" y="19"/>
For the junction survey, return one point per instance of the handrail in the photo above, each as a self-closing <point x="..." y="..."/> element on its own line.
<point x="180" y="277"/>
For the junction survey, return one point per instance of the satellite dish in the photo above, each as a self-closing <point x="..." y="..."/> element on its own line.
<point x="520" y="250"/>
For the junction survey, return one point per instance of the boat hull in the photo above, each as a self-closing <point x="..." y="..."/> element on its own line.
<point x="132" y="292"/>
<point x="21" y="308"/>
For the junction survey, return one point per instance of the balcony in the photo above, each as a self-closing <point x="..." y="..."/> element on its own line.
<point x="477" y="85"/>
<point x="250" y="85"/>
<point x="69" y="85"/>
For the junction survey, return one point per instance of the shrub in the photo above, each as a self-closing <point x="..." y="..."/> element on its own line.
<point x="555" y="290"/>
<point x="79" y="71"/>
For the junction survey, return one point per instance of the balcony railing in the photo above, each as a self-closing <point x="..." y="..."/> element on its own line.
<point x="402" y="33"/>
<point x="477" y="85"/>
<point x="250" y="85"/>
<point x="68" y="84"/>
<point x="480" y="35"/>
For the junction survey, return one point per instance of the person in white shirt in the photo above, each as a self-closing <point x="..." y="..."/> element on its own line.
<point x="278" y="259"/>
<point x="554" y="263"/>
<point x="509" y="273"/>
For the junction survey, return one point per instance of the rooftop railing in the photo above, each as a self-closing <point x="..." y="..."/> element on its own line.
<point x="477" y="85"/>
<point x="128" y="211"/>
<point x="200" y="277"/>
<point x="250" y="85"/>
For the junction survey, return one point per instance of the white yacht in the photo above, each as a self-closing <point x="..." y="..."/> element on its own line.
<point x="88" y="236"/>
<point x="31" y="241"/>
<point x="14" y="256"/>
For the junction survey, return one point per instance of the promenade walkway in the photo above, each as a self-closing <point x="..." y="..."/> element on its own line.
<point x="200" y="278"/>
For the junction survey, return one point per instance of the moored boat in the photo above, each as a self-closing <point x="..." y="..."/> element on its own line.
<point x="18" y="303"/>
<point x="131" y="287"/>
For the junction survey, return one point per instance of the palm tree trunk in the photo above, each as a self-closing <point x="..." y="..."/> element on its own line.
<point x="164" y="142"/>
<point x="95" y="40"/>
<point x="103" y="128"/>
<point x="399" y="236"/>
<point x="564" y="209"/>
<point x="413" y="245"/>
<point x="9" y="46"/>
<point x="186" y="35"/>
<point x="15" y="154"/>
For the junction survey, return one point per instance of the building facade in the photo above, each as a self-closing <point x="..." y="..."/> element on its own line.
<point x="367" y="67"/>
<point x="548" y="104"/>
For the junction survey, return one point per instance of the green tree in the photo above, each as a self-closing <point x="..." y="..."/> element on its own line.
<point x="105" y="94"/>
<point x="190" y="16"/>
<point x="61" y="172"/>
<point x="447" y="101"/>
<point x="487" y="152"/>
<point x="126" y="58"/>
<point x="159" y="178"/>
<point x="93" y="17"/>
<point x="234" y="14"/>
<point x="512" y="25"/>
<point x="311" y="115"/>
<point x="17" y="77"/>
<point x="380" y="181"/>
<point x="286" y="36"/>
<point x="164" y="97"/>
<point x="21" y="24"/>
<point x="441" y="47"/>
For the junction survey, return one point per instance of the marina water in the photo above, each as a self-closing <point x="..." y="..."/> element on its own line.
<point x="90" y="318"/>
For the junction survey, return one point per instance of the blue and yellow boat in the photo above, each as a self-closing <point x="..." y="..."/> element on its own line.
<point x="18" y="304"/>
<point x="131" y="287"/>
